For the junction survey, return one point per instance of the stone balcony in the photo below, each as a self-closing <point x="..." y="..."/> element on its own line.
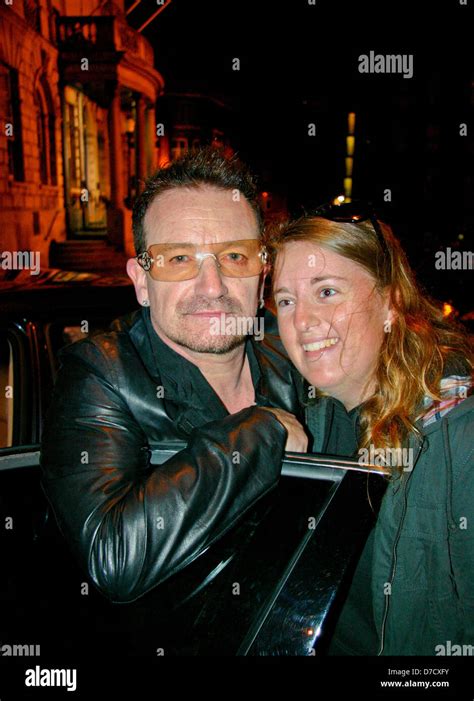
<point x="103" y="41"/>
<point x="97" y="34"/>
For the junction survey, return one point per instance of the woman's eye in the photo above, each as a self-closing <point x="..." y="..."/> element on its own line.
<point x="283" y="302"/>
<point x="327" y="292"/>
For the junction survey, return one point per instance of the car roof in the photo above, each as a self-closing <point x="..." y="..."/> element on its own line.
<point x="54" y="291"/>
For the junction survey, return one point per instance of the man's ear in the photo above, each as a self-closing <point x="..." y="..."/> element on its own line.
<point x="138" y="276"/>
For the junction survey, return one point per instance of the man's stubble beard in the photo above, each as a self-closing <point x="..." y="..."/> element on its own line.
<point x="194" y="340"/>
<point x="216" y="345"/>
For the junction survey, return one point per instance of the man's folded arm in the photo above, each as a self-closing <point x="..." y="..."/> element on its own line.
<point x="133" y="524"/>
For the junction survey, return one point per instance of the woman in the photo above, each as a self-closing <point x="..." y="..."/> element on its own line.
<point x="386" y="372"/>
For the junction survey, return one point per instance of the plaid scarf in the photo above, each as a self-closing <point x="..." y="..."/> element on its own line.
<point x="453" y="390"/>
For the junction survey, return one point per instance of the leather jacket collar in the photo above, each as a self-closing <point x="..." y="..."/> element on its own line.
<point x="182" y="381"/>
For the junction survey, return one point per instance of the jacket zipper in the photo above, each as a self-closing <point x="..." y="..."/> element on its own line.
<point x="394" y="554"/>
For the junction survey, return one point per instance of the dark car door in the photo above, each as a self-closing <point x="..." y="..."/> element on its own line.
<point x="270" y="586"/>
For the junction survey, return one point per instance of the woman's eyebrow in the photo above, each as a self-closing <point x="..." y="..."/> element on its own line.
<point x="314" y="281"/>
<point x="327" y="277"/>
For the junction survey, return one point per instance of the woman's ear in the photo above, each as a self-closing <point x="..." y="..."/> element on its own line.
<point x="392" y="301"/>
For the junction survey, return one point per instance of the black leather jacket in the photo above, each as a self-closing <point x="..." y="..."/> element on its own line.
<point x="122" y="393"/>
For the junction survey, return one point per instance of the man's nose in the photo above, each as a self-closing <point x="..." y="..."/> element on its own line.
<point x="209" y="279"/>
<point x="305" y="316"/>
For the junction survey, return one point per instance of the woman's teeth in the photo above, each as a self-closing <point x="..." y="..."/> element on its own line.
<point x="318" y="345"/>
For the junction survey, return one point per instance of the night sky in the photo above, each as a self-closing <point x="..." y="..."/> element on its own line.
<point x="299" y="65"/>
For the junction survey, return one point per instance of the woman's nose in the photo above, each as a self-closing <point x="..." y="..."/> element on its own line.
<point x="305" y="316"/>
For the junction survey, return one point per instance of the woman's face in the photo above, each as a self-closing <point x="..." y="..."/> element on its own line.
<point x="332" y="320"/>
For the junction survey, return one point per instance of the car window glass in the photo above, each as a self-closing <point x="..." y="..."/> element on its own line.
<point x="6" y="385"/>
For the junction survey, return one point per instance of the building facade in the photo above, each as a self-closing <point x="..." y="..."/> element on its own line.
<point x="78" y="90"/>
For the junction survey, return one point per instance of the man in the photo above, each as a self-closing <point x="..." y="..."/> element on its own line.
<point x="175" y="372"/>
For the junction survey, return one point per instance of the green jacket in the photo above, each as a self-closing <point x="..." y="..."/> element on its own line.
<point x="413" y="590"/>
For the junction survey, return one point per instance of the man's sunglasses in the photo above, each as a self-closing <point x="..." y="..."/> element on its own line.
<point x="174" y="262"/>
<point x="353" y="212"/>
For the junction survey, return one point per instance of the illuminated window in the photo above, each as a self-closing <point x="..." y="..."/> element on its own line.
<point x="74" y="156"/>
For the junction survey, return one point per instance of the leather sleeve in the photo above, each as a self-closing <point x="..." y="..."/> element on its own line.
<point x="132" y="524"/>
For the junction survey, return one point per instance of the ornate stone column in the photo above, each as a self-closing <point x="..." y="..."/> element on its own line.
<point x="141" y="142"/>
<point x="151" y="139"/>
<point x="115" y="213"/>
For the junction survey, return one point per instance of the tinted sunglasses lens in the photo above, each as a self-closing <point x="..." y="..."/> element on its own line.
<point x="235" y="259"/>
<point x="242" y="259"/>
<point x="172" y="263"/>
